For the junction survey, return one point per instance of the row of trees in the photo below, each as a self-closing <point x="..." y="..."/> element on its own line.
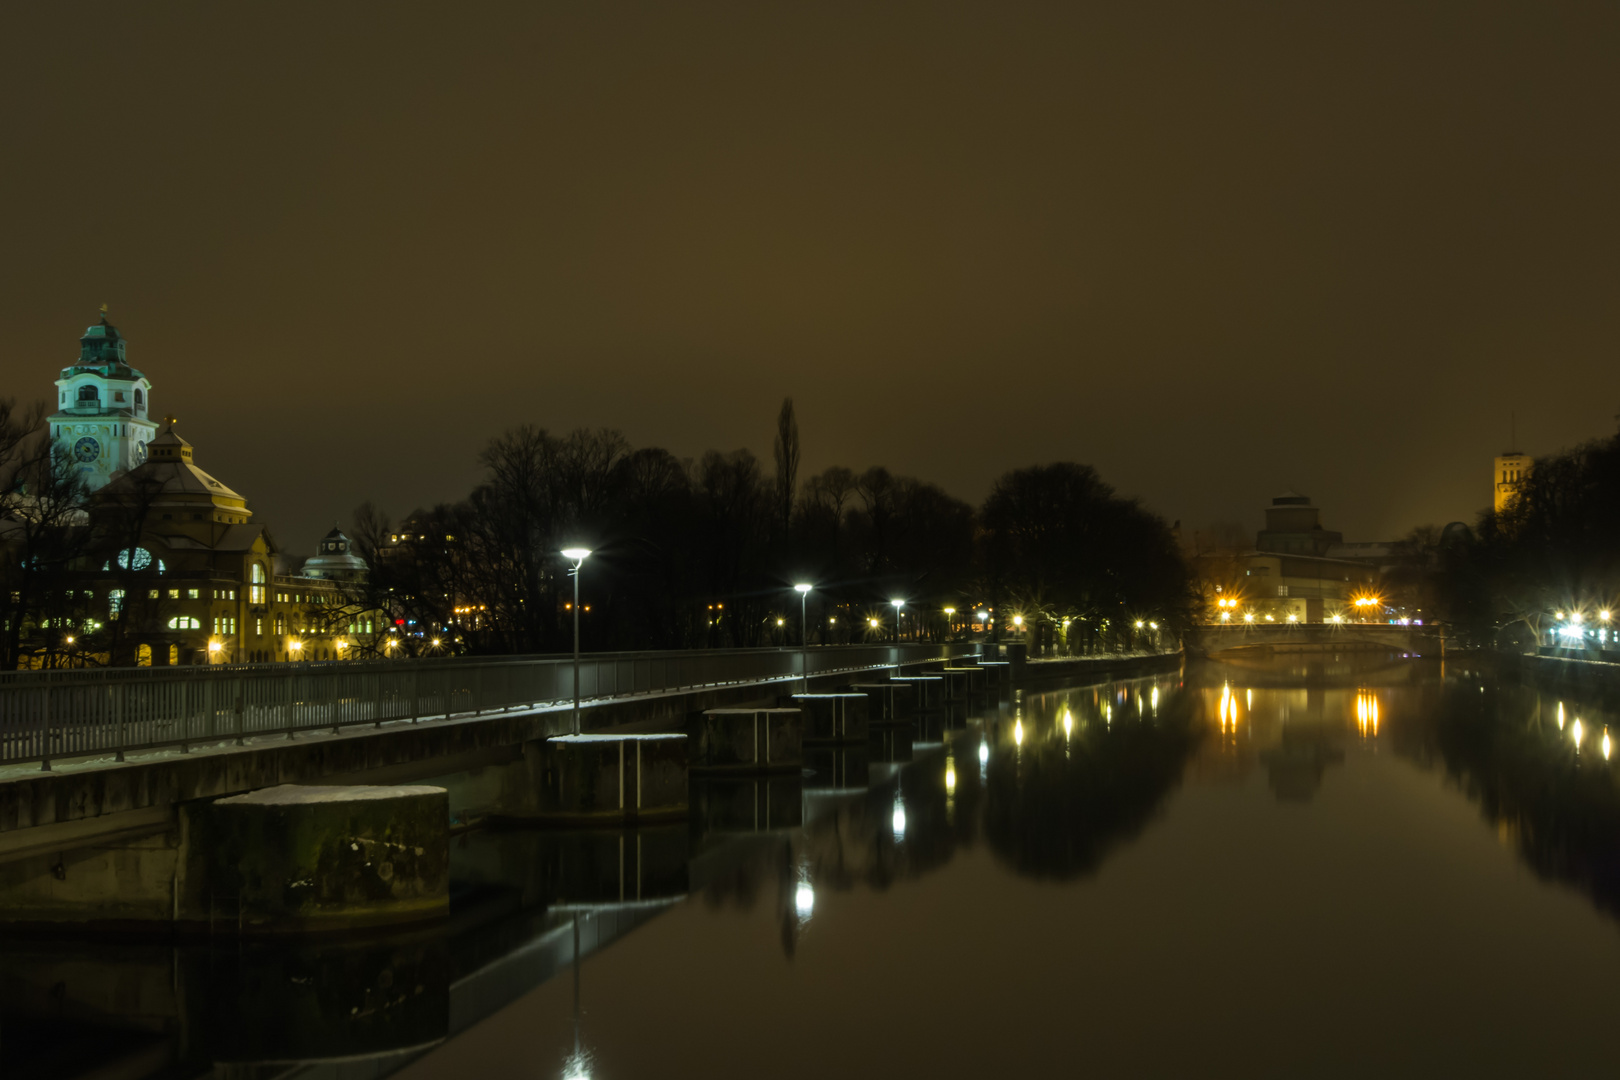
<point x="704" y="554"/>
<point x="1555" y="547"/>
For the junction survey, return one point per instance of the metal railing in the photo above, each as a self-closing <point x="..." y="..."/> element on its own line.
<point x="78" y="711"/>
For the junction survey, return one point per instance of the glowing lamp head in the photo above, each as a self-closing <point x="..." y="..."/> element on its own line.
<point x="578" y="554"/>
<point x="898" y="604"/>
<point x="952" y="611"/>
<point x="801" y="588"/>
<point x="435" y="643"/>
<point x="1604" y="615"/>
<point x="213" y="646"/>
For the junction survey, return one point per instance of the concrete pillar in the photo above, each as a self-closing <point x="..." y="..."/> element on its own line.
<point x="747" y="740"/>
<point x="890" y="702"/>
<point x="928" y="691"/>
<point x="294" y="859"/>
<point x="833" y="718"/>
<point x="611" y="779"/>
<point x="1017" y="654"/>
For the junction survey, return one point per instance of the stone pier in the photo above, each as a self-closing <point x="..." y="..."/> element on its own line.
<point x="607" y="779"/>
<point x="928" y="691"/>
<point x="294" y="859"/>
<point x="747" y="740"/>
<point x="890" y="702"/>
<point x="833" y="718"/>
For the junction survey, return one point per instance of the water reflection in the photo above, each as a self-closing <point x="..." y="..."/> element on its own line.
<point x="1530" y="761"/>
<point x="1051" y="785"/>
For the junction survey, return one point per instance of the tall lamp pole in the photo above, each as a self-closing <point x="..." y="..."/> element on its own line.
<point x="804" y="637"/>
<point x="898" y="604"/>
<point x="578" y="555"/>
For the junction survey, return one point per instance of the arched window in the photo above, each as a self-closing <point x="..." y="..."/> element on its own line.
<point x="256" y="584"/>
<point x="89" y="394"/>
<point x="140" y="399"/>
<point x="184" y="622"/>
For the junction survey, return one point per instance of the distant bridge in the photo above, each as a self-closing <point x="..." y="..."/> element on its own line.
<point x="1313" y="637"/>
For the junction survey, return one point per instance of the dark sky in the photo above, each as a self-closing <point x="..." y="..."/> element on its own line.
<point x="1214" y="249"/>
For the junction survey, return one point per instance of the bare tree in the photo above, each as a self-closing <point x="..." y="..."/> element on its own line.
<point x="787" y="464"/>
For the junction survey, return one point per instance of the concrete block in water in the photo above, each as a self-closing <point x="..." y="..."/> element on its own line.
<point x="997" y="673"/>
<point x="966" y="680"/>
<point x="611" y="779"/>
<point x="890" y="702"/>
<point x="747" y="740"/>
<point x="833" y="718"/>
<point x="928" y="691"/>
<point x="295" y="859"/>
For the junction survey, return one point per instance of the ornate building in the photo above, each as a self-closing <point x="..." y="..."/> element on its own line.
<point x="178" y="572"/>
<point x="101" y="407"/>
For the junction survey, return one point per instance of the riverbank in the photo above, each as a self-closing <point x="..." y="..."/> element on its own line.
<point x="1098" y="668"/>
<point x="1594" y="680"/>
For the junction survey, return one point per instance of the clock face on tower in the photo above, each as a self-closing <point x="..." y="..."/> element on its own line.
<point x="86" y="449"/>
<point x="140" y="453"/>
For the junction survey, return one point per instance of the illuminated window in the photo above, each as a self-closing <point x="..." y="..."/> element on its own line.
<point x="256" y="589"/>
<point x="89" y="395"/>
<point x="184" y="622"/>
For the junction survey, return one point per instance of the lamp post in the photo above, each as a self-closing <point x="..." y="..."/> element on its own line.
<point x="803" y="590"/>
<point x="898" y="604"/>
<point x="949" y="612"/>
<point x="579" y="555"/>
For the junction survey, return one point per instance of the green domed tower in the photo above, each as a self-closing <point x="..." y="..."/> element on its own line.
<point x="102" y="406"/>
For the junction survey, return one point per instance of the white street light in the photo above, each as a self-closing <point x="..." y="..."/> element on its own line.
<point x="898" y="604"/>
<point x="578" y="555"/>
<point x="803" y="589"/>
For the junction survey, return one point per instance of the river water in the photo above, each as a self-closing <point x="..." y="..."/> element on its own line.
<point x="1306" y="866"/>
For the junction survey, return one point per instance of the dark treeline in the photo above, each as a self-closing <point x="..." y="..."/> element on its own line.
<point x="1554" y="548"/>
<point x="704" y="554"/>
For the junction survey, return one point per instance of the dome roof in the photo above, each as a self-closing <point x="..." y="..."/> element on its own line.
<point x="168" y="477"/>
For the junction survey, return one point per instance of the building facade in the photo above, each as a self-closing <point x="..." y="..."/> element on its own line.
<point x="1507" y="474"/>
<point x="175" y="570"/>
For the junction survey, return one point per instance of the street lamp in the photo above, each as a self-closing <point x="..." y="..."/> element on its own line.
<point x="803" y="589"/>
<point x="578" y="555"/>
<point x="950" y="613"/>
<point x="898" y="604"/>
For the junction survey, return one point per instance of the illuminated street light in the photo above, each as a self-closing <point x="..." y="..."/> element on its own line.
<point x="1575" y="617"/>
<point x="1248" y="616"/>
<point x="898" y="604"/>
<point x="1604" y="615"/>
<point x="578" y="555"/>
<point x="803" y="589"/>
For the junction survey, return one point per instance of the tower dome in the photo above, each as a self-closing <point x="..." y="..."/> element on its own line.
<point x="102" y="405"/>
<point x="335" y="559"/>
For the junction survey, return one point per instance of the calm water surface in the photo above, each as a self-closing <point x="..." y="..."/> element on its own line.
<point x="1309" y="866"/>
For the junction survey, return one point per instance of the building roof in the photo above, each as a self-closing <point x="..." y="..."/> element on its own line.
<point x="168" y="477"/>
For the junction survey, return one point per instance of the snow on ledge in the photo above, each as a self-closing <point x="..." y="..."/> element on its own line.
<point x="302" y="795"/>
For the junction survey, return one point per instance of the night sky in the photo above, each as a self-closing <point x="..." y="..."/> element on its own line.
<point x="1216" y="250"/>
